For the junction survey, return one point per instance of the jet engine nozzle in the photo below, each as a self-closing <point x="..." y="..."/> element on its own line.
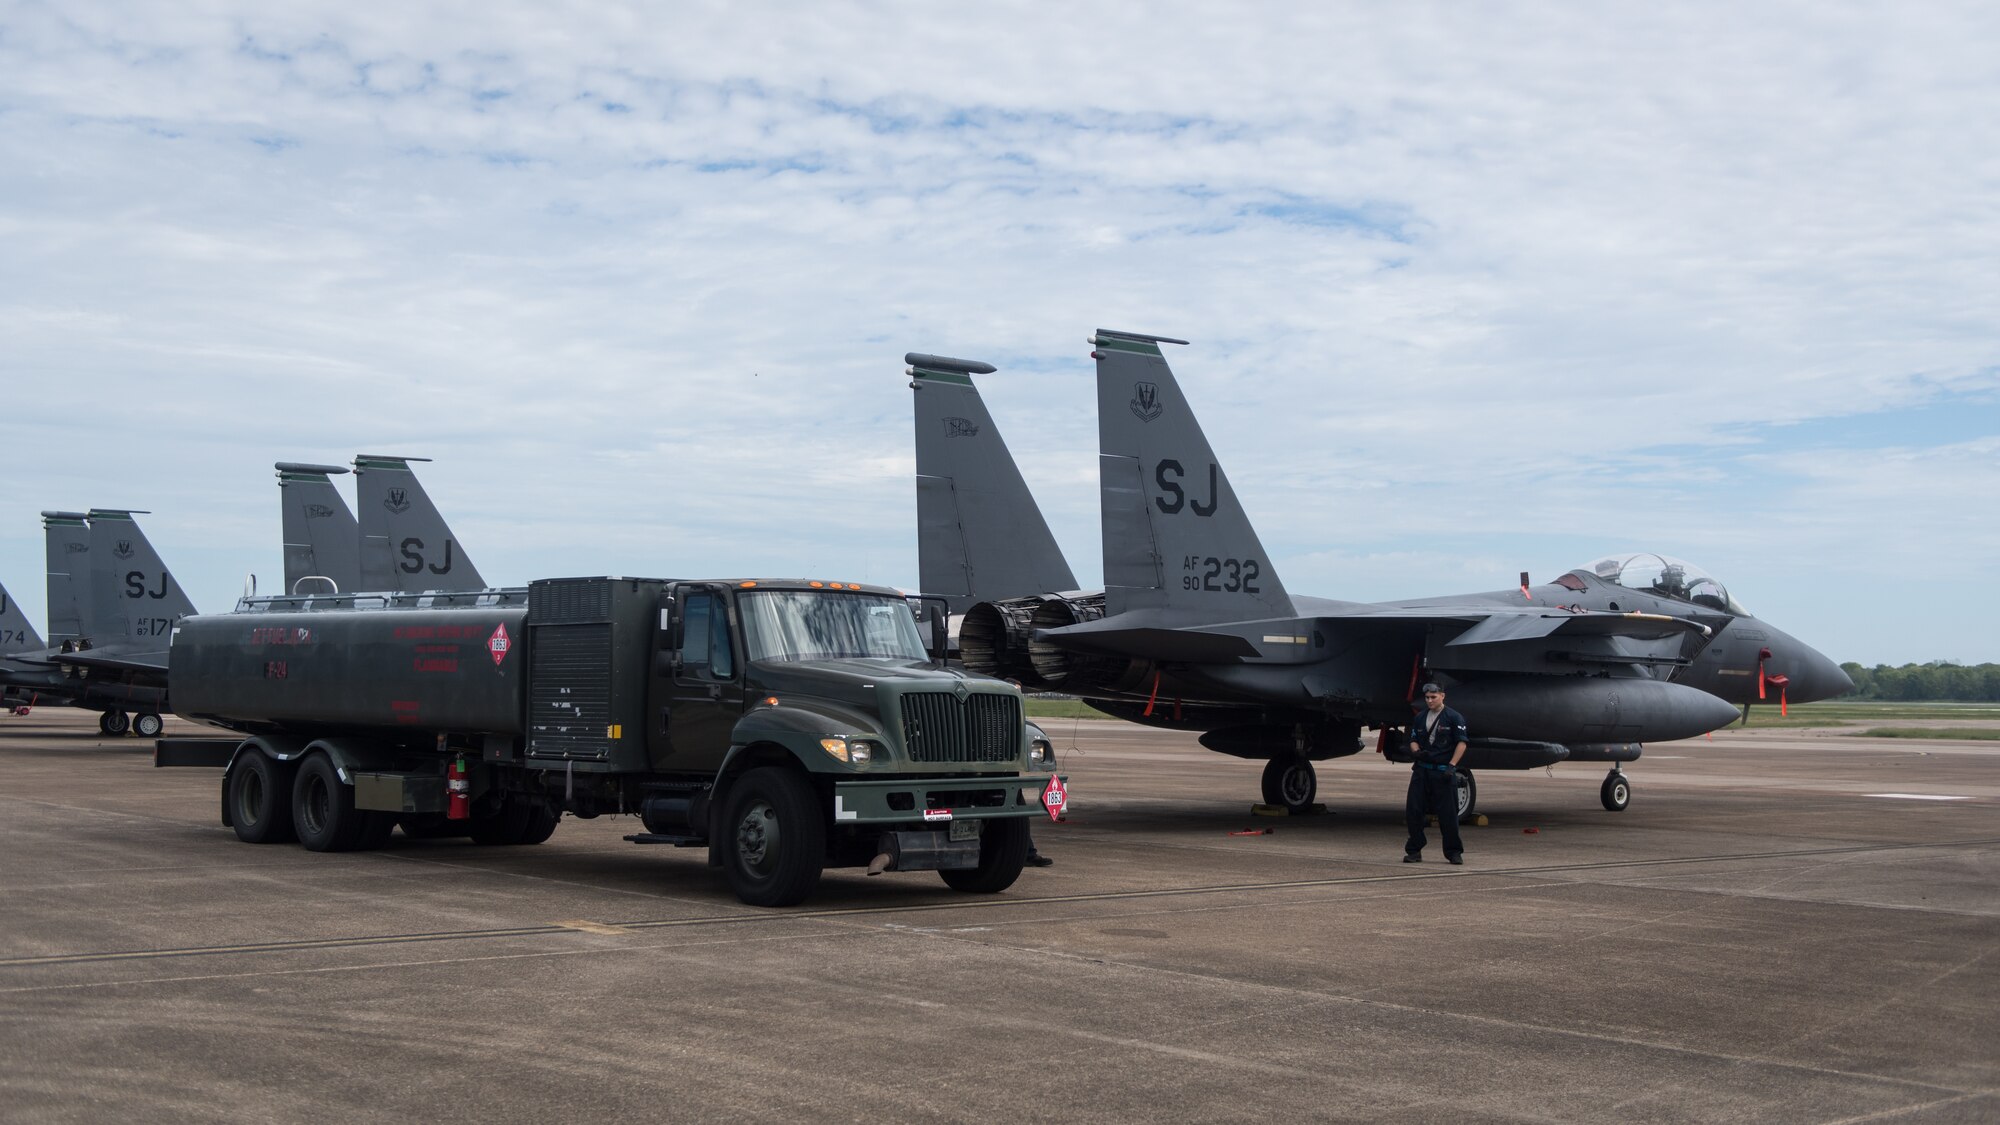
<point x="1059" y="667"/>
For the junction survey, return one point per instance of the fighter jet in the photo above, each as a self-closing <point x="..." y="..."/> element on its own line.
<point x="322" y="539"/>
<point x="405" y="544"/>
<point x="17" y="634"/>
<point x="110" y="619"/>
<point x="1194" y="629"/>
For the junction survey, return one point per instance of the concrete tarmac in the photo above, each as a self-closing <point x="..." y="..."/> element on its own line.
<point x="1784" y="926"/>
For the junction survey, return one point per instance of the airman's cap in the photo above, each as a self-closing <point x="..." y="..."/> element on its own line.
<point x="1429" y="688"/>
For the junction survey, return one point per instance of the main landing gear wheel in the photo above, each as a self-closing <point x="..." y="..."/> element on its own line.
<point x="1003" y="852"/>
<point x="1289" y="780"/>
<point x="146" y="724"/>
<point x="1616" y="792"/>
<point x="773" y="838"/>
<point x="1468" y="794"/>
<point x="114" y="723"/>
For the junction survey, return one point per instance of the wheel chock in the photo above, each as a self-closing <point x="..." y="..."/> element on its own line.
<point x="1476" y="821"/>
<point x="1270" y="810"/>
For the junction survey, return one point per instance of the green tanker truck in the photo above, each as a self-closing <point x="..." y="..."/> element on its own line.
<point x="787" y="726"/>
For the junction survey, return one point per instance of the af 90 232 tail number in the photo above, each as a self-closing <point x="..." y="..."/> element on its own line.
<point x="1221" y="576"/>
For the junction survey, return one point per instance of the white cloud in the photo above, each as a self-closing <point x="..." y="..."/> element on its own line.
<point x="641" y="281"/>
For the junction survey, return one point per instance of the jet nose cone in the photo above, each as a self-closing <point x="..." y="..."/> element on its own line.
<point x="1819" y="678"/>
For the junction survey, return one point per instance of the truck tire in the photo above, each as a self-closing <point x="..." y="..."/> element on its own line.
<point x="258" y="793"/>
<point x="323" y="811"/>
<point x="1003" y="852"/>
<point x="516" y="823"/>
<point x="773" y="838"/>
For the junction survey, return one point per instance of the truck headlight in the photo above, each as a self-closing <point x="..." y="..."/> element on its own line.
<point x="854" y="752"/>
<point x="1040" y="753"/>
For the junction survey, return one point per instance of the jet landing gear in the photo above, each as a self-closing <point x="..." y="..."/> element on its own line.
<point x="1468" y="794"/>
<point x="113" y="723"/>
<point x="1616" y="792"/>
<point x="147" y="724"/>
<point x="1289" y="780"/>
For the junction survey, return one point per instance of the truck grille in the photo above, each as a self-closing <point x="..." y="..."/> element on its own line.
<point x="937" y="727"/>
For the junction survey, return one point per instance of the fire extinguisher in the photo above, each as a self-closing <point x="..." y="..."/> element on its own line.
<point x="458" y="804"/>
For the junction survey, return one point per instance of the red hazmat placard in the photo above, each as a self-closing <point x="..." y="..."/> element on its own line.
<point x="499" y="643"/>
<point x="1055" y="798"/>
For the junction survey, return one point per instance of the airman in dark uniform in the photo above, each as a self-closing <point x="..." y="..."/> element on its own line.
<point x="1437" y="742"/>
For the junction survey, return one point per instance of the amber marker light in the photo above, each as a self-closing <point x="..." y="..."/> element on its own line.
<point x="817" y="585"/>
<point x="770" y="701"/>
<point x="746" y="585"/>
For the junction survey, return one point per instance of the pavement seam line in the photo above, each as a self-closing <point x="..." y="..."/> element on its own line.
<point x="963" y="904"/>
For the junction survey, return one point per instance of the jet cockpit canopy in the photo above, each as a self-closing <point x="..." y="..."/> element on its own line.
<point x="1667" y="577"/>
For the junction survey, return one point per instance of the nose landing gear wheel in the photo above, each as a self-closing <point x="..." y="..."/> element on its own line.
<point x="1616" y="792"/>
<point x="1468" y="794"/>
<point x="146" y="724"/>
<point x="114" y="723"/>
<point x="1289" y="780"/>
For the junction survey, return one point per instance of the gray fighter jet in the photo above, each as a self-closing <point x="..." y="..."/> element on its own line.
<point x="322" y="539"/>
<point x="405" y="544"/>
<point x="1195" y="631"/>
<point x="110" y="620"/>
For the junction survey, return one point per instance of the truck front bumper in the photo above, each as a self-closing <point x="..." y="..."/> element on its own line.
<point x="937" y="800"/>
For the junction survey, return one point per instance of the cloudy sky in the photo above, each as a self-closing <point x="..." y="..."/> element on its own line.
<point x="1472" y="289"/>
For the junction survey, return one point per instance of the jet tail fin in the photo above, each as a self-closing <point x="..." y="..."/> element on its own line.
<point x="322" y="539"/>
<point x="17" y="633"/>
<point x="135" y="599"/>
<point x="1175" y="536"/>
<point x="68" y="537"/>
<point x="980" y="535"/>
<point x="405" y="544"/>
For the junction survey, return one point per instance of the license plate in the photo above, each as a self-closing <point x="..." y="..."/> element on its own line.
<point x="964" y="830"/>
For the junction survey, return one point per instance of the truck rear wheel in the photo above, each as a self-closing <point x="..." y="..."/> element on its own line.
<point x="516" y="823"/>
<point x="258" y="790"/>
<point x="773" y="838"/>
<point x="1003" y="852"/>
<point x="323" y="811"/>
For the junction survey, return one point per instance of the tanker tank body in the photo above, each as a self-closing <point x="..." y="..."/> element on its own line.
<point x="399" y="673"/>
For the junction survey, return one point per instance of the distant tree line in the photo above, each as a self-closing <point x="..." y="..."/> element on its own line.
<point x="1956" y="683"/>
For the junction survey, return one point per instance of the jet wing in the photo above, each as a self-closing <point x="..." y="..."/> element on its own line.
<point x="1493" y="624"/>
<point x="1122" y="636"/>
<point x="137" y="664"/>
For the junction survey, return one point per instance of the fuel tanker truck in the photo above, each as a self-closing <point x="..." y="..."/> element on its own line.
<point x="787" y="726"/>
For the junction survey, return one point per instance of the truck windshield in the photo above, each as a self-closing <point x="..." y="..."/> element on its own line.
<point x="809" y="625"/>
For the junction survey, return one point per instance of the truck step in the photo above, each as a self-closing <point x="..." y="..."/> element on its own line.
<point x="677" y="841"/>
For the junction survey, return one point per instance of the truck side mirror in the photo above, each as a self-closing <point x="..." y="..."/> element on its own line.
<point x="934" y="612"/>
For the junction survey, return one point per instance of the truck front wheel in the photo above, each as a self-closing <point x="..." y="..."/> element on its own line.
<point x="1003" y="851"/>
<point x="323" y="811"/>
<point x="258" y="789"/>
<point x="773" y="838"/>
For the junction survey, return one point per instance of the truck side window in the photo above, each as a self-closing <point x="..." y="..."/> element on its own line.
<point x="695" y="632"/>
<point x="719" y="660"/>
<point x="705" y="639"/>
